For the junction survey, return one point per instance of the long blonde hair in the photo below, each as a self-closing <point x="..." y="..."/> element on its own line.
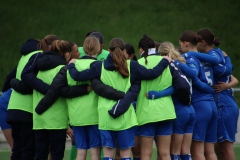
<point x="168" y="49"/>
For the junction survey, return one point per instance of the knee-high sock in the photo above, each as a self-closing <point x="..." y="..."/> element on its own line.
<point x="107" y="158"/>
<point x="175" y="156"/>
<point x="185" y="156"/>
<point x="73" y="153"/>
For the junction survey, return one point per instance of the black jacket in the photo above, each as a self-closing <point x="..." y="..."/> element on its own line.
<point x="16" y="115"/>
<point x="59" y="88"/>
<point x="47" y="61"/>
<point x="181" y="85"/>
<point x="106" y="91"/>
<point x="8" y="79"/>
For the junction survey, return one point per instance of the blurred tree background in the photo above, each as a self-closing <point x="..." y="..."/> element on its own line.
<point x="162" y="20"/>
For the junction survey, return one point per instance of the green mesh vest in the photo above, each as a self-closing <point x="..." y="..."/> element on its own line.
<point x="125" y="121"/>
<point x="82" y="110"/>
<point x="100" y="57"/>
<point x="17" y="100"/>
<point x="56" y="117"/>
<point x="159" y="109"/>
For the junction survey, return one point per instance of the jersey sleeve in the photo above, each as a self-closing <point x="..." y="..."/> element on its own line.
<point x="201" y="86"/>
<point x="88" y="74"/>
<point x="142" y="73"/>
<point x="211" y="58"/>
<point x="189" y="69"/>
<point x="29" y="76"/>
<point x="220" y="70"/>
<point x="158" y="94"/>
<point x="122" y="105"/>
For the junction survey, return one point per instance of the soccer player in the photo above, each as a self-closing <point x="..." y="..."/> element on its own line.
<point x="226" y="104"/>
<point x="102" y="55"/>
<point x="20" y="107"/>
<point x="112" y="130"/>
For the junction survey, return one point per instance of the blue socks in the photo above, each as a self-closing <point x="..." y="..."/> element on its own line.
<point x="126" y="158"/>
<point x="186" y="157"/>
<point x="107" y="158"/>
<point x="175" y="156"/>
<point x="183" y="157"/>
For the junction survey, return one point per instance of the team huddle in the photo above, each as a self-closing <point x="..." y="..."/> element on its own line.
<point x="178" y="98"/>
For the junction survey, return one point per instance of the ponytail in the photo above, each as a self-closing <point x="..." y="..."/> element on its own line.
<point x="116" y="48"/>
<point x="208" y="36"/>
<point x="216" y="41"/>
<point x="46" y="42"/>
<point x="61" y="47"/>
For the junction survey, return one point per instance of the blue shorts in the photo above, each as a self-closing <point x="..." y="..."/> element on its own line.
<point x="4" y="99"/>
<point x="136" y="131"/>
<point x="124" y="138"/>
<point x="227" y="123"/>
<point x="228" y="113"/>
<point x="87" y="137"/>
<point x="205" y="128"/>
<point x="162" y="128"/>
<point x="184" y="123"/>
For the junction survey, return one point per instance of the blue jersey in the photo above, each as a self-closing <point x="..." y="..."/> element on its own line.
<point x="204" y="74"/>
<point x="222" y="66"/>
<point x="222" y="70"/>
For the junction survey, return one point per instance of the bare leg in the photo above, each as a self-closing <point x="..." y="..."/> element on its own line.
<point x="209" y="151"/>
<point x="146" y="147"/>
<point x="95" y="153"/>
<point x="176" y="143"/>
<point x="226" y="148"/>
<point x="125" y="153"/>
<point x="163" y="147"/>
<point x="197" y="150"/>
<point x="81" y="154"/>
<point x="186" y="143"/>
<point x="117" y="153"/>
<point x="108" y="152"/>
<point x="218" y="151"/>
<point x="136" y="150"/>
<point x="8" y="135"/>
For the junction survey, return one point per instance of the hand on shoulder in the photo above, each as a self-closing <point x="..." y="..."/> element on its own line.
<point x="168" y="58"/>
<point x="72" y="61"/>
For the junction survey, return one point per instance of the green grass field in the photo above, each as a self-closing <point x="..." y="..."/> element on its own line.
<point x="4" y="155"/>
